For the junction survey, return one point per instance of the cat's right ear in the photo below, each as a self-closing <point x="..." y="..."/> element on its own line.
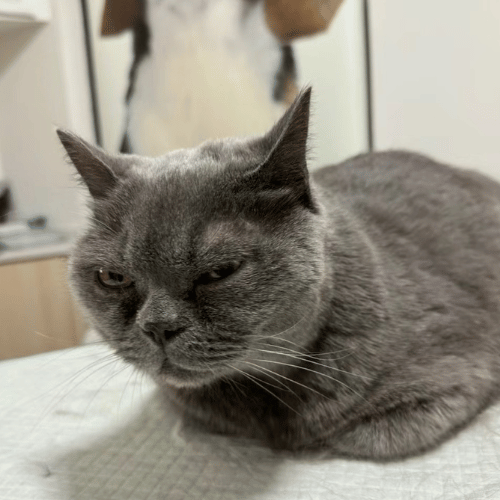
<point x="92" y="164"/>
<point x="282" y="178"/>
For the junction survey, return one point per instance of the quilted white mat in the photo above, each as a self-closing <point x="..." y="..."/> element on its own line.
<point x="78" y="424"/>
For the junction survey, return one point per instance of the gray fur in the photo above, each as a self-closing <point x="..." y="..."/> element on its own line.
<point x="364" y="320"/>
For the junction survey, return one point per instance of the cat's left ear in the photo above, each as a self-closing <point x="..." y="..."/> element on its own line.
<point x="283" y="175"/>
<point x="97" y="169"/>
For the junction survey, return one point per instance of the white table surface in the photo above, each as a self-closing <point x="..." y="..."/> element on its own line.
<point x="78" y="424"/>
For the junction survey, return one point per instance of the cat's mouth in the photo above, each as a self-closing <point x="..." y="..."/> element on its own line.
<point x="180" y="376"/>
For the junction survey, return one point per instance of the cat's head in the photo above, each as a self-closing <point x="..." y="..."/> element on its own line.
<point x="198" y="262"/>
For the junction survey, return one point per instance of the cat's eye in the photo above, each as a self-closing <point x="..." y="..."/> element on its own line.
<point x="220" y="273"/>
<point x="111" y="279"/>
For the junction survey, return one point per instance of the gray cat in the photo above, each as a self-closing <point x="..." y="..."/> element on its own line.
<point x="355" y="311"/>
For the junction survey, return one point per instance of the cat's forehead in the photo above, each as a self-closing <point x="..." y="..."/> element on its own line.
<point x="180" y="248"/>
<point x="186" y="186"/>
<point x="219" y="233"/>
<point x="181" y="205"/>
<point x="209" y="157"/>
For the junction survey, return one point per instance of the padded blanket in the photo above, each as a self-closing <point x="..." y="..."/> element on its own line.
<point x="80" y="424"/>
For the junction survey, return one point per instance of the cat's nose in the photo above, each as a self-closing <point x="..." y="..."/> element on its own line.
<point x="161" y="332"/>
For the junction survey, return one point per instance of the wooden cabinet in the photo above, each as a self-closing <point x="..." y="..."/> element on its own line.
<point x="37" y="311"/>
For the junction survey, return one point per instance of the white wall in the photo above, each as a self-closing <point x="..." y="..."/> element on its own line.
<point x="112" y="60"/>
<point x="436" y="79"/>
<point x="44" y="84"/>
<point x="332" y="62"/>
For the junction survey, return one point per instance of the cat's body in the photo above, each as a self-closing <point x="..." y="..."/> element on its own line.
<point x="357" y="313"/>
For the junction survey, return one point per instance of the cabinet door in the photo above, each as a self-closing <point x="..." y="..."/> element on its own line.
<point x="37" y="312"/>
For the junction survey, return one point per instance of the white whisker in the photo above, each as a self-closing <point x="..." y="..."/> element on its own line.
<point x="255" y="381"/>
<point x="290" y="380"/>
<point x="314" y="363"/>
<point x="314" y="371"/>
<point x="313" y="356"/>
<point x="280" y="332"/>
<point x="262" y="370"/>
<point x="93" y="368"/>
<point x="301" y="346"/>
<point x="102" y="385"/>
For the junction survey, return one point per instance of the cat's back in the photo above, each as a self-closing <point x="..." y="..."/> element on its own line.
<point x="410" y="193"/>
<point x="429" y="222"/>
<point x="391" y="173"/>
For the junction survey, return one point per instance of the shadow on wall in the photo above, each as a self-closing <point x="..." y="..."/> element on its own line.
<point x="18" y="41"/>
